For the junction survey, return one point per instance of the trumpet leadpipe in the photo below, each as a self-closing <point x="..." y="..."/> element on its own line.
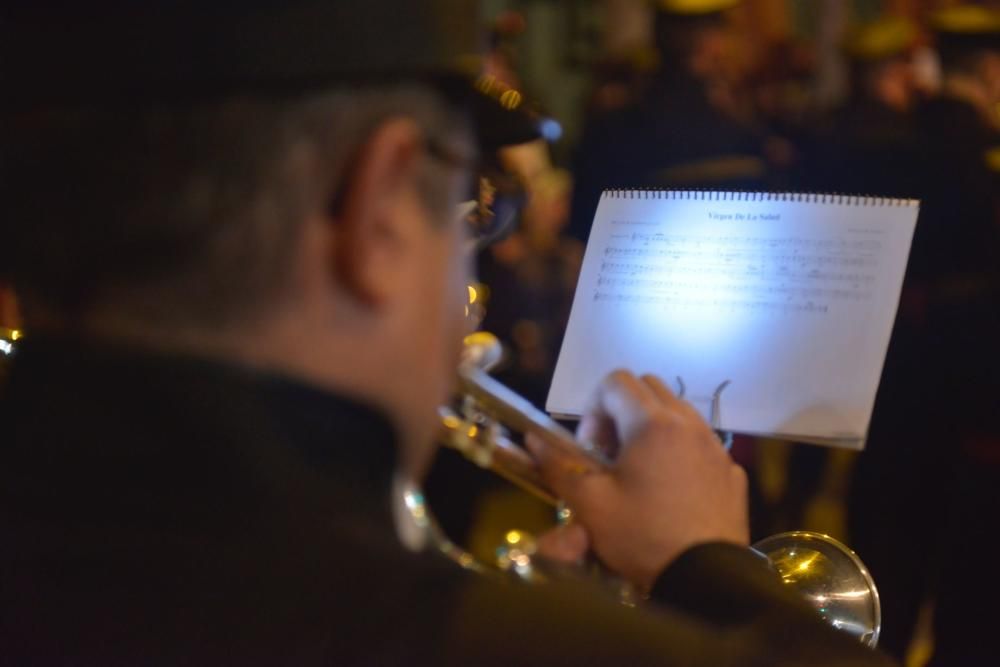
<point x="480" y="433"/>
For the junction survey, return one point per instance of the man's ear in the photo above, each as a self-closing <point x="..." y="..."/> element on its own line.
<point x="371" y="225"/>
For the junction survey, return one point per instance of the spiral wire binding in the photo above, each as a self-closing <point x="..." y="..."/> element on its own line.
<point x="750" y="196"/>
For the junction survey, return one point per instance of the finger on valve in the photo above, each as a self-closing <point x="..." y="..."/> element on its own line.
<point x="666" y="492"/>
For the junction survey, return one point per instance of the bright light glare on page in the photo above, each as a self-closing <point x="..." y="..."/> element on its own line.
<point x="681" y="300"/>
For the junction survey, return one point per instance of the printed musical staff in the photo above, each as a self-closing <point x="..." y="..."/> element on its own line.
<point x="781" y="275"/>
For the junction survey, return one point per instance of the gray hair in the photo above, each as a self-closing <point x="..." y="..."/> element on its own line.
<point x="184" y="214"/>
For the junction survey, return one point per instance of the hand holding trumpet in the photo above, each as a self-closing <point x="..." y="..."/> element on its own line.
<point x="670" y="485"/>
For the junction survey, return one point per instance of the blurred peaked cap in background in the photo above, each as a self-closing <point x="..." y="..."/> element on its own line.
<point x="966" y="19"/>
<point x="882" y="39"/>
<point x="66" y="52"/>
<point x="966" y="28"/>
<point x="695" y="7"/>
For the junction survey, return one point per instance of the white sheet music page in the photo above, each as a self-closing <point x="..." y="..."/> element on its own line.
<point x="789" y="297"/>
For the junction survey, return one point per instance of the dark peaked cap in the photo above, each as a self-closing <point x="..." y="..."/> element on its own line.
<point x="68" y="52"/>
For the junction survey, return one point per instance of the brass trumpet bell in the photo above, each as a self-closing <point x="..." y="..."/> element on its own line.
<point x="825" y="572"/>
<point x="830" y="577"/>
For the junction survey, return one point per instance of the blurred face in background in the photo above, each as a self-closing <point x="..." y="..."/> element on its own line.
<point x="893" y="83"/>
<point x="712" y="53"/>
<point x="547" y="212"/>
<point x="990" y="73"/>
<point x="700" y="47"/>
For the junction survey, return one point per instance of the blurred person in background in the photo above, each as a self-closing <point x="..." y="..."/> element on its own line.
<point x="932" y="467"/>
<point x="682" y="131"/>
<point x="243" y="282"/>
<point x="780" y="90"/>
<point x="502" y="59"/>
<point x="867" y="146"/>
<point x="501" y="73"/>
<point x="626" y="57"/>
<point x="532" y="278"/>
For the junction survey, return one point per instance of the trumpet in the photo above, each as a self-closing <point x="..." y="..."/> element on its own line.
<point x="824" y="571"/>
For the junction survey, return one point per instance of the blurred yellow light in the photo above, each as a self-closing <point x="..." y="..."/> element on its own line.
<point x="472" y="294"/>
<point x="851" y="595"/>
<point x="15" y="334"/>
<point x="993" y="155"/>
<point x="513" y="537"/>
<point x="510" y="99"/>
<point x="696" y="7"/>
<point x="807" y="563"/>
<point x="485" y="83"/>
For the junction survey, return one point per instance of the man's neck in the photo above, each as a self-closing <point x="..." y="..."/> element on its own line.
<point x="288" y="345"/>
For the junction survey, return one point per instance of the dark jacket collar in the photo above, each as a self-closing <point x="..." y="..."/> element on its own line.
<point x="65" y="398"/>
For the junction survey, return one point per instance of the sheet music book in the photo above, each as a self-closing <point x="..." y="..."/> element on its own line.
<point x="791" y="297"/>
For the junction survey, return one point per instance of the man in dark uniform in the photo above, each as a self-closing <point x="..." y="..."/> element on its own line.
<point x="867" y="146"/>
<point x="680" y="132"/>
<point x="930" y="474"/>
<point x="242" y="284"/>
<point x="956" y="267"/>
